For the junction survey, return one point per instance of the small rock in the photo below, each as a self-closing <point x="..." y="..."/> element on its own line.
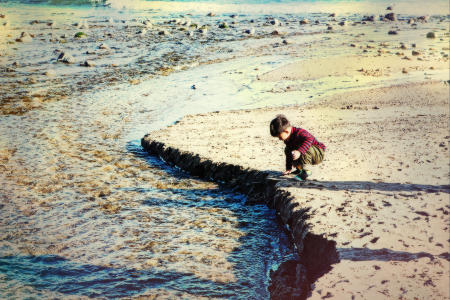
<point x="342" y="23"/>
<point x="88" y="63"/>
<point x="2" y="16"/>
<point x="332" y="15"/>
<point x="415" y="53"/>
<point x="285" y="42"/>
<point x="34" y="22"/>
<point x="423" y="18"/>
<point x="389" y="8"/>
<point x="223" y="25"/>
<point x="411" y="21"/>
<point x="352" y="45"/>
<point x="275" y="32"/>
<point x="403" y="46"/>
<point x="211" y="14"/>
<point x="51" y="23"/>
<point x="392" y="32"/>
<point x="250" y="31"/>
<point x="50" y="73"/>
<point x="163" y="32"/>
<point x="304" y="22"/>
<point x="66" y="58"/>
<point x="142" y="32"/>
<point x="147" y="24"/>
<point x="234" y="16"/>
<point x="104" y="46"/>
<point x="374" y="240"/>
<point x="431" y="35"/>
<point x="404" y="71"/>
<point x="190" y="33"/>
<point x="275" y="22"/>
<point x="330" y="28"/>
<point x="316" y="22"/>
<point x="203" y="30"/>
<point x="390" y="17"/>
<point x="24" y="38"/>
<point x="368" y="19"/>
<point x="413" y="45"/>
<point x="80" y="35"/>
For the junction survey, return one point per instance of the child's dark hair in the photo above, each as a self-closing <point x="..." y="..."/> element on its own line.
<point x="278" y="125"/>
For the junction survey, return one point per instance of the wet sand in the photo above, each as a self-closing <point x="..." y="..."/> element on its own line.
<point x="381" y="193"/>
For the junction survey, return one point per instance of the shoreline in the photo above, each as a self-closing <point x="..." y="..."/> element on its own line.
<point x="388" y="243"/>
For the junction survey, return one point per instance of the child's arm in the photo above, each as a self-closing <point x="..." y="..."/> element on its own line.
<point x="288" y="154"/>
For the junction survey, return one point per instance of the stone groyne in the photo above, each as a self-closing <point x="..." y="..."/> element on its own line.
<point x="316" y="254"/>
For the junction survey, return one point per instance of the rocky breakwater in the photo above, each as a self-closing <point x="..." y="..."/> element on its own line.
<point x="292" y="279"/>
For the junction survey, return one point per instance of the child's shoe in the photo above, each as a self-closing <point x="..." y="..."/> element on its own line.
<point x="303" y="174"/>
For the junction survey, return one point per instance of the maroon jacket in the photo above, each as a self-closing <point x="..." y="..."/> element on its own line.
<point x="300" y="140"/>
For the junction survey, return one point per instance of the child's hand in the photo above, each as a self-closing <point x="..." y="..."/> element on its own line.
<point x="287" y="172"/>
<point x="295" y="155"/>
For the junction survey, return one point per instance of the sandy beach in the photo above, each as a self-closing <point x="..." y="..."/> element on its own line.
<point x="86" y="212"/>
<point x="381" y="193"/>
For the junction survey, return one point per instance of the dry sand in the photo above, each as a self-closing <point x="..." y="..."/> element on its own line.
<point x="381" y="193"/>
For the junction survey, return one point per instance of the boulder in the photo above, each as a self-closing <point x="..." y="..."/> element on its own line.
<point x="415" y="53"/>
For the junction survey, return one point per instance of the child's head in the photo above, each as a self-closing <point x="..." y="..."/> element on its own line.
<point x="280" y="127"/>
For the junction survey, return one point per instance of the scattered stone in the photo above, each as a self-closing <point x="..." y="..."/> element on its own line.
<point x="275" y="22"/>
<point x="332" y="15"/>
<point x="389" y="8"/>
<point x="275" y="32"/>
<point x="316" y="22"/>
<point x="285" y="42"/>
<point x="403" y="46"/>
<point x="352" y="45"/>
<point x="431" y="35"/>
<point x="66" y="58"/>
<point x="411" y="21"/>
<point x="147" y="24"/>
<point x="413" y="45"/>
<point x="80" y="35"/>
<point x="374" y="240"/>
<point x="2" y="16"/>
<point x="211" y="14"/>
<point x="203" y="30"/>
<point x="88" y="63"/>
<point x="104" y="46"/>
<point x="330" y="28"/>
<point x="404" y="71"/>
<point x="90" y="52"/>
<point x="392" y="32"/>
<point x="190" y="33"/>
<point x="368" y="19"/>
<point x="390" y="17"/>
<point x="223" y="25"/>
<point x="34" y="22"/>
<point x="24" y="38"/>
<point x="415" y="53"/>
<point x="423" y="18"/>
<point x="163" y="32"/>
<point x="250" y="31"/>
<point x="142" y="32"/>
<point x="342" y="23"/>
<point x="304" y="22"/>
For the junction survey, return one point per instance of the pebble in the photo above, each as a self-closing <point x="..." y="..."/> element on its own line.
<point x="304" y="22"/>
<point x="431" y="35"/>
<point x="415" y="53"/>
<point x="104" y="46"/>
<point x="88" y="63"/>
<point x="190" y="33"/>
<point x="211" y="14"/>
<point x="330" y="28"/>
<point x="148" y="24"/>
<point x="368" y="19"/>
<point x="332" y="15"/>
<point x="24" y="38"/>
<point x="2" y="16"/>
<point x="285" y="42"/>
<point x="250" y="31"/>
<point x="66" y="58"/>
<point x="390" y="17"/>
<point x="342" y="23"/>
<point x="392" y="32"/>
<point x="275" y="22"/>
<point x="223" y="25"/>
<point x="203" y="30"/>
<point x="404" y="71"/>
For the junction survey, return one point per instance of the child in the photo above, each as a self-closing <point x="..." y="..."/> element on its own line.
<point x="301" y="147"/>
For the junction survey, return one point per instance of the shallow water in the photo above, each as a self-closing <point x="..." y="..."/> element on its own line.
<point x="84" y="211"/>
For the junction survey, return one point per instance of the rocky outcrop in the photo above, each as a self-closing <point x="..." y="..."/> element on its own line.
<point x="316" y="254"/>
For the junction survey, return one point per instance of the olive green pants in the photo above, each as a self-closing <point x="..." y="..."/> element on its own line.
<point x="313" y="156"/>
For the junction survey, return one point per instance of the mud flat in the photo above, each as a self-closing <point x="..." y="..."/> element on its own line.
<point x="375" y="212"/>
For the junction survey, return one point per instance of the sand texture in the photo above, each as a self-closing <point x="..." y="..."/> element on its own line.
<point x="381" y="193"/>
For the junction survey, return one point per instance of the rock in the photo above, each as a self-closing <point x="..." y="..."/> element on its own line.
<point x="250" y="31"/>
<point x="316" y="22"/>
<point x="352" y="45"/>
<point x="413" y="45"/>
<point x="190" y="33"/>
<point x="423" y="18"/>
<point x="390" y="17"/>
<point x="211" y="14"/>
<point x="88" y="63"/>
<point x="66" y="58"/>
<point x="392" y="32"/>
<point x="431" y="35"/>
<point x="2" y="16"/>
<point x="411" y="21"/>
<point x="415" y="53"/>
<point x="285" y="42"/>
<point x="203" y="30"/>
<point x="80" y="35"/>
<point x="142" y="32"/>
<point x="275" y="32"/>
<point x="163" y="32"/>
<point x="304" y="22"/>
<point x="104" y="46"/>
<point x="330" y="28"/>
<point x="274" y="22"/>
<point x="223" y="25"/>
<point x="403" y="46"/>
<point x="332" y="15"/>
<point x="24" y="38"/>
<point x="6" y="24"/>
<point x="342" y="23"/>
<point x="234" y="16"/>
<point x="34" y="22"/>
<point x="147" y="24"/>
<point x="389" y="8"/>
